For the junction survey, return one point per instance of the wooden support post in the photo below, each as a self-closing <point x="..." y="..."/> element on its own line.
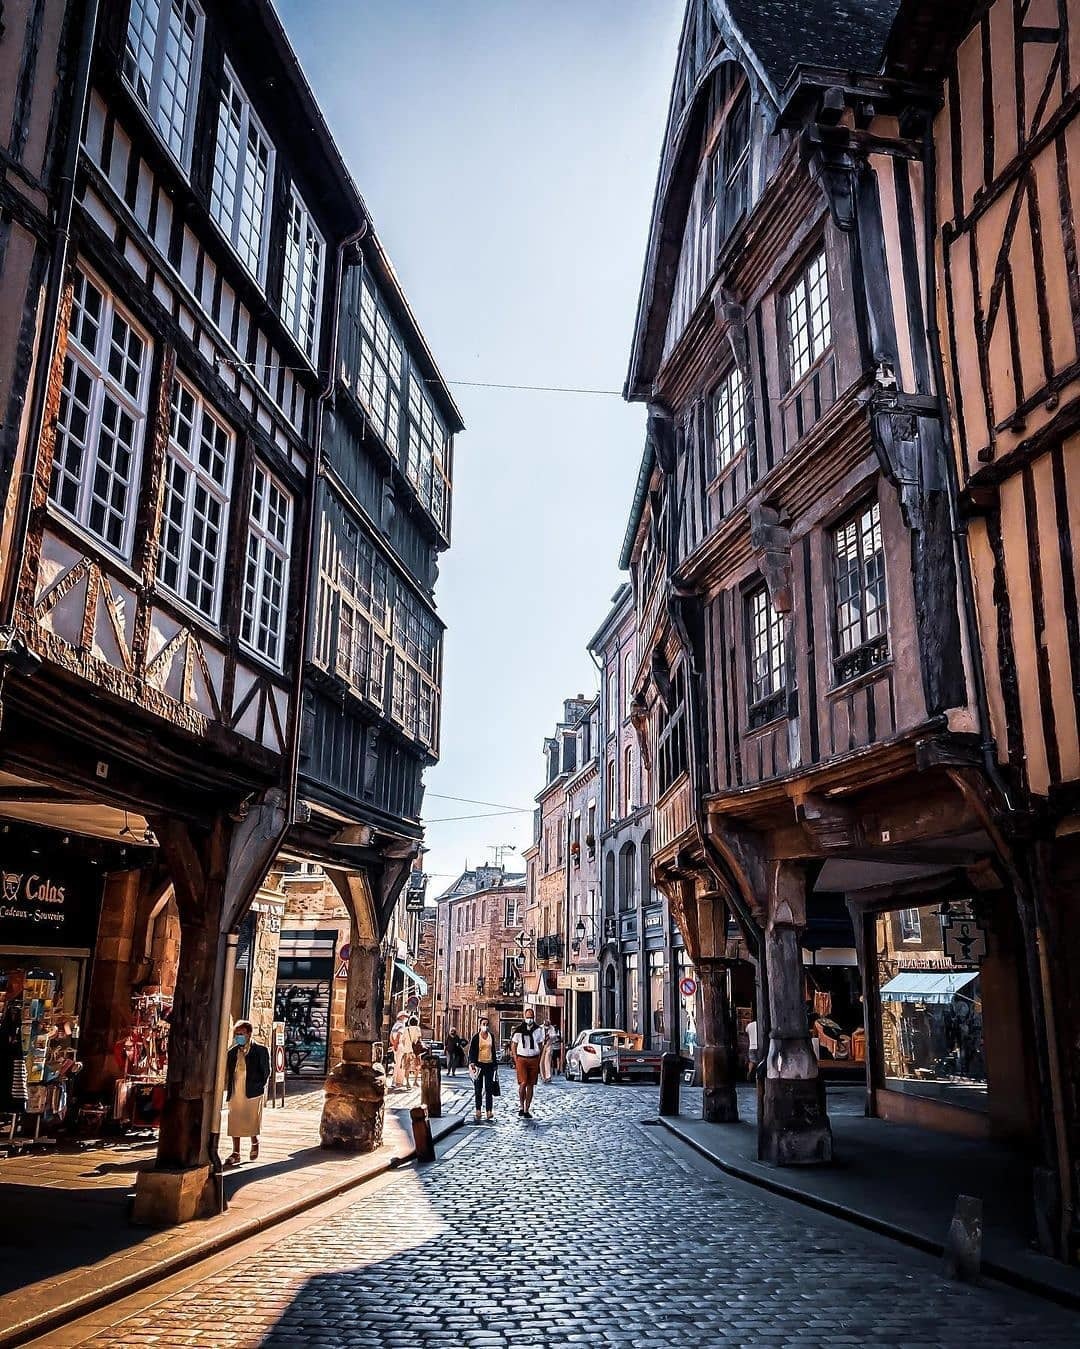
<point x="719" y="1065"/>
<point x="793" y="1128"/>
<point x="425" y="1144"/>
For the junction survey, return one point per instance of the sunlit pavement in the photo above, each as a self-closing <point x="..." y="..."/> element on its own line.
<point x="583" y="1226"/>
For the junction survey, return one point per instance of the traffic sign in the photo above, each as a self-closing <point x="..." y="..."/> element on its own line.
<point x="522" y="940"/>
<point x="688" y="987"/>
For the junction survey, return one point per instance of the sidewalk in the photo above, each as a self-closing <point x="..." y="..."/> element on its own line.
<point x="71" y="1247"/>
<point x="897" y="1180"/>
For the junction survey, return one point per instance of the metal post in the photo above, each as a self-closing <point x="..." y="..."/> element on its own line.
<point x="670" y="1081"/>
<point x="425" y="1144"/>
<point x="431" y="1086"/>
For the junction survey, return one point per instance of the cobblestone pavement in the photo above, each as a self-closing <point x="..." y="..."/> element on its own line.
<point x="585" y="1227"/>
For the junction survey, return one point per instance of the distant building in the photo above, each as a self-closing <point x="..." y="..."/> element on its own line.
<point x="479" y="917"/>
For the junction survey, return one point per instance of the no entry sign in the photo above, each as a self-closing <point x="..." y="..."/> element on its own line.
<point x="688" y="987"/>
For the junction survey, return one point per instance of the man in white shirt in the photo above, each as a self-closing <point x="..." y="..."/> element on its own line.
<point x="525" y="1047"/>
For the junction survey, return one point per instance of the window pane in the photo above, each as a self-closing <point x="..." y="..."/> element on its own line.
<point x="809" y="325"/>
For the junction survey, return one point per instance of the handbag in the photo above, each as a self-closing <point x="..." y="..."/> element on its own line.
<point x="496" y="1088"/>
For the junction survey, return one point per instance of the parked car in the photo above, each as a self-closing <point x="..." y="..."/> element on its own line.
<point x="584" y="1058"/>
<point x="626" y="1059"/>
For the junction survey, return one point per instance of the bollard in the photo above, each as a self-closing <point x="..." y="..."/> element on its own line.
<point x="963" y="1244"/>
<point x="421" y="1129"/>
<point x="670" y="1073"/>
<point x="431" y="1086"/>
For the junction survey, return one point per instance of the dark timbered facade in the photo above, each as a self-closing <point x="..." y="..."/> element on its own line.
<point x="228" y="458"/>
<point x="808" y="678"/>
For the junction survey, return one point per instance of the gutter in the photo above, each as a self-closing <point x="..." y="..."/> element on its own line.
<point x="50" y="310"/>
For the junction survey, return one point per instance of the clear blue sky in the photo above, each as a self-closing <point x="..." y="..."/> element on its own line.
<point x="508" y="150"/>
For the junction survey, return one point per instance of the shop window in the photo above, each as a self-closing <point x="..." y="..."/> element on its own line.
<point x="929" y="1004"/>
<point x="243" y="174"/>
<point x="768" y="665"/>
<point x="631" y="985"/>
<point x="808" y="322"/>
<point x="161" y="61"/>
<point x="266" y="571"/>
<point x="657" y="995"/>
<point x="195" y="512"/>
<point x="101" y="420"/>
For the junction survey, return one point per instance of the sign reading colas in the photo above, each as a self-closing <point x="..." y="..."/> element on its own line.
<point x="48" y="905"/>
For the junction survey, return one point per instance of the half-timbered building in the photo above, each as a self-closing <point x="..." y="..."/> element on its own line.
<point x="807" y="681"/>
<point x="181" y="573"/>
<point x="1001" y="178"/>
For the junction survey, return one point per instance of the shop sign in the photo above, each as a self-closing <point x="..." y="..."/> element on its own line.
<point x="965" y="940"/>
<point x="655" y="919"/>
<point x="577" y="983"/>
<point x="48" y="905"/>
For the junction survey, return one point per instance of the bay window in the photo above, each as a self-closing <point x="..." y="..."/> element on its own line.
<point x="427" y="466"/>
<point x="101" y="419"/>
<point x="377" y="364"/>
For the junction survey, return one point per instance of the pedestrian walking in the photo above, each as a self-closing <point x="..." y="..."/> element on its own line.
<point x="396" y="1044"/>
<point x="556" y="1050"/>
<point x="247" y="1071"/>
<point x="547" y="1030"/>
<point x="525" y="1046"/>
<point x="751" y="1049"/>
<point x="412" y="1042"/>
<point x="454" y="1056"/>
<point x="484" y="1067"/>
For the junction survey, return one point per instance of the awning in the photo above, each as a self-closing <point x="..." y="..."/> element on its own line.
<point x="418" y="979"/>
<point x="934" y="986"/>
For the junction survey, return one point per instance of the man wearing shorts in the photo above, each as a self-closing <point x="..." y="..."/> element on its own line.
<point x="525" y="1046"/>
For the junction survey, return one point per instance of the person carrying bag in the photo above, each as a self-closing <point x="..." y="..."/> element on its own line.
<point x="484" y="1069"/>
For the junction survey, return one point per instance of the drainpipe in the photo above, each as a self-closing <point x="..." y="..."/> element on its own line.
<point x="1054" y="1142"/>
<point x="50" y="309"/>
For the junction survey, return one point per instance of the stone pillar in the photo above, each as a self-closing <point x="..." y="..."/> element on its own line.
<point x="794" y="1127"/>
<point x="352" y="1116"/>
<point x="108" y="1007"/>
<point x="716" y="1033"/>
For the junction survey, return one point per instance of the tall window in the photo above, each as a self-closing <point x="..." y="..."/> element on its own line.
<point x="243" y="173"/>
<point x="806" y="311"/>
<point x="767" y="660"/>
<point x="910" y="925"/>
<point x="628" y="681"/>
<point x="427" y="464"/>
<point x="356" y="579"/>
<point x="102" y="417"/>
<point x="861" y="605"/>
<point x="416" y="640"/>
<point x="376" y="361"/>
<point x="301" y="285"/>
<point x="728" y="436"/>
<point x="194" y="522"/>
<point x="612" y="800"/>
<point x="728" y="182"/>
<point x="510" y="918"/>
<point x="266" y="570"/>
<point x="161" y="58"/>
<point x="628" y="770"/>
<point x="671" y="743"/>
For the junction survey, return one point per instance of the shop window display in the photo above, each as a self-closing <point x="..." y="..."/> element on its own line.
<point x="930" y="1003"/>
<point x="142" y="1057"/>
<point x="39" y="1035"/>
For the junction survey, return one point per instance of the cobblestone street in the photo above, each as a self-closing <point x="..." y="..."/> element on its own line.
<point x="642" y="1244"/>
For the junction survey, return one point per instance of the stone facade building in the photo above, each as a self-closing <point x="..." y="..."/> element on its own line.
<point x="479" y="918"/>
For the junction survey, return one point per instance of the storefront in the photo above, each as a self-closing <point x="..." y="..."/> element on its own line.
<point x="632" y="993"/>
<point x="944" y="1018"/>
<point x="302" y="1000"/>
<point x="49" y="911"/>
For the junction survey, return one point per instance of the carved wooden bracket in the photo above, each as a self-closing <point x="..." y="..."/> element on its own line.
<point x="661" y="432"/>
<point x="771" y="541"/>
<point x="639" y="719"/>
<point x="828" y="823"/>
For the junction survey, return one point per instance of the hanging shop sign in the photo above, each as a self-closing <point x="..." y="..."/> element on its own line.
<point x="48" y="905"/>
<point x="964" y="938"/>
<point x="578" y="983"/>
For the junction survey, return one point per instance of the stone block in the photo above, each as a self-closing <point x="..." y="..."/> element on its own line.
<point x="352" y="1117"/>
<point x="168" y="1197"/>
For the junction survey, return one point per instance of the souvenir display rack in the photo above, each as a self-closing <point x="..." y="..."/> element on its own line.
<point x="143" y="1057"/>
<point x="47" y="1044"/>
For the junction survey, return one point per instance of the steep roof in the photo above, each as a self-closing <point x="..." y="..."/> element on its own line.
<point x="778" y="36"/>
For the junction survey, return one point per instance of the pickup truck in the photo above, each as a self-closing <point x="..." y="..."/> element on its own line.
<point x="625" y="1058"/>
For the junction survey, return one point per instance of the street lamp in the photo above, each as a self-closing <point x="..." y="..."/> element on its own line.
<point x="579" y="933"/>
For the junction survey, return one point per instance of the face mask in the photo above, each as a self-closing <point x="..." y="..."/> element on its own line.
<point x="240" y="1040"/>
<point x="529" y="1021"/>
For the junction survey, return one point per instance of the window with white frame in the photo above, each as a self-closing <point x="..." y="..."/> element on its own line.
<point x="161" y="62"/>
<point x="301" y="285"/>
<point x="910" y="925"/>
<point x="102" y="417"/>
<point x="629" y="663"/>
<point x="510" y="918"/>
<point x="768" y="665"/>
<point x="859" y="560"/>
<point x="360" y="578"/>
<point x="376" y="362"/>
<point x="266" y="566"/>
<point x="728" y="429"/>
<point x="427" y="465"/>
<point x="630" y="785"/>
<point x="194" y="521"/>
<point x="806" y="313"/>
<point x="243" y="174"/>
